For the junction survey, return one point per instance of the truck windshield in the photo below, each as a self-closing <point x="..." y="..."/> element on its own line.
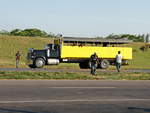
<point x="51" y="46"/>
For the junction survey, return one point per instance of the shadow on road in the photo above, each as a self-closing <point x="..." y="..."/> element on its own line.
<point x="3" y="110"/>
<point x="138" y="108"/>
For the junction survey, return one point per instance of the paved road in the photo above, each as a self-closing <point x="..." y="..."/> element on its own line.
<point x="44" y="96"/>
<point x="71" y="70"/>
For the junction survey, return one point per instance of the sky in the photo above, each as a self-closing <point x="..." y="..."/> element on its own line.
<point x="77" y="18"/>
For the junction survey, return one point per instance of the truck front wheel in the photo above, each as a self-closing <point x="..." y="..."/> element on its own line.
<point x="39" y="63"/>
<point x="104" y="64"/>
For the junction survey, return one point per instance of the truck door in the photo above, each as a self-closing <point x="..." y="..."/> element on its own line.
<point x="54" y="51"/>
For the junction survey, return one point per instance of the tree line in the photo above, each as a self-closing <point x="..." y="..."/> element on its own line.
<point x="29" y="32"/>
<point x="34" y="32"/>
<point x="134" y="38"/>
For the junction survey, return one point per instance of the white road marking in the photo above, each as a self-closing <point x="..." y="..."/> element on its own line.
<point x="49" y="101"/>
<point x="83" y="87"/>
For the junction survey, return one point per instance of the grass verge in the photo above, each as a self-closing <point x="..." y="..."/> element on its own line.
<point x="74" y="76"/>
<point x="9" y="45"/>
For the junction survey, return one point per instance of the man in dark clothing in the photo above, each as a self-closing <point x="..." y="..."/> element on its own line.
<point x="94" y="63"/>
<point x="17" y="59"/>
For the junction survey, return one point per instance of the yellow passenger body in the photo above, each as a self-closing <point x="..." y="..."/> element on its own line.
<point x="102" y="52"/>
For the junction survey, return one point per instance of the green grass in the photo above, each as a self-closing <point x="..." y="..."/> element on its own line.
<point x="124" y="76"/>
<point x="43" y="75"/>
<point x="141" y="60"/>
<point x="9" y="45"/>
<point x="73" y="76"/>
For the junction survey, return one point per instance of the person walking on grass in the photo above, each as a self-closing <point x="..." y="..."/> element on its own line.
<point x="118" y="61"/>
<point x="17" y="59"/>
<point x="94" y="63"/>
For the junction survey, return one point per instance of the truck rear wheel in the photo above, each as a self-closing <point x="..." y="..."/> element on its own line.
<point x="39" y="63"/>
<point x="104" y="64"/>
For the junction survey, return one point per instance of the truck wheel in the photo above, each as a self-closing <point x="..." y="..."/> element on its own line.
<point x="39" y="63"/>
<point x="84" y="65"/>
<point x="104" y="64"/>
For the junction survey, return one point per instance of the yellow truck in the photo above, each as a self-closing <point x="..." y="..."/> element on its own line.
<point x="79" y="50"/>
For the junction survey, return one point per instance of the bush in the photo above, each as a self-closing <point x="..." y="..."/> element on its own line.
<point x="29" y="32"/>
<point x="145" y="47"/>
<point x="134" y="38"/>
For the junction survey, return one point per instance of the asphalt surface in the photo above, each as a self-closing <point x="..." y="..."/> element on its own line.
<point x="51" y="96"/>
<point x="71" y="70"/>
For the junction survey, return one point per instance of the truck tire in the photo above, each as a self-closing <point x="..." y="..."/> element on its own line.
<point x="39" y="63"/>
<point x="84" y="65"/>
<point x="104" y="64"/>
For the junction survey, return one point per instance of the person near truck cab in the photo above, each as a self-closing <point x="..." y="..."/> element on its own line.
<point x="118" y="61"/>
<point x="94" y="63"/>
<point x="17" y="59"/>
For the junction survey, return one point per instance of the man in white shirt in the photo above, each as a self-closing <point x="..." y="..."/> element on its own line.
<point x="118" y="61"/>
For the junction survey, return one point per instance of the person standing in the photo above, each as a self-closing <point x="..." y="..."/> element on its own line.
<point x="118" y="61"/>
<point x="94" y="63"/>
<point x="17" y="59"/>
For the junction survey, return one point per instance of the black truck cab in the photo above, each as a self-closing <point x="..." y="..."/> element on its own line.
<point x="48" y="56"/>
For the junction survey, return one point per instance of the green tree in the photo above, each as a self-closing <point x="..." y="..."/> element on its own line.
<point x="29" y="32"/>
<point x="16" y="32"/>
<point x="139" y="38"/>
<point x="34" y="32"/>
